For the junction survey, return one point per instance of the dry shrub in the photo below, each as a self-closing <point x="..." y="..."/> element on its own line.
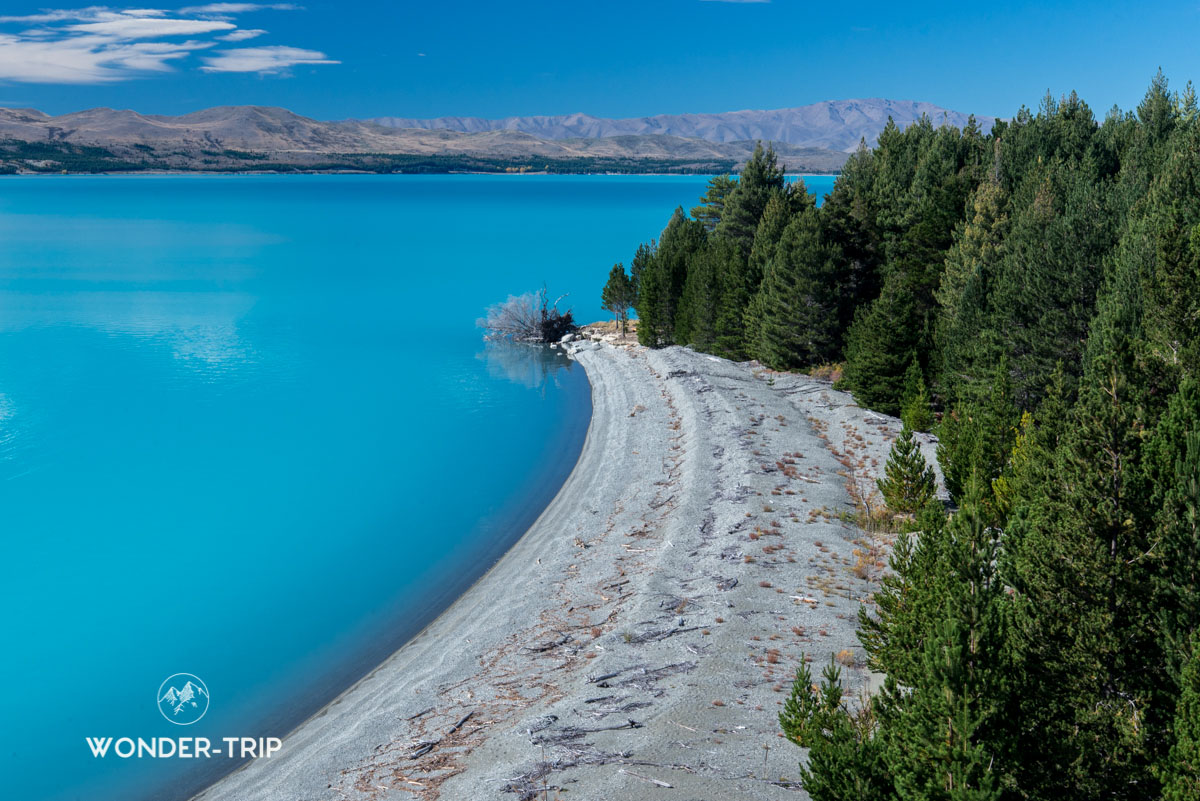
<point x="827" y="372"/>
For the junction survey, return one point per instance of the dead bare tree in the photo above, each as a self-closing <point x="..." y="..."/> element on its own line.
<point x="527" y="318"/>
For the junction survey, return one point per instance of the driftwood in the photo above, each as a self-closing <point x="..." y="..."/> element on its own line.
<point x="549" y="645"/>
<point x="420" y="714"/>
<point x="655" y="782"/>
<point x="661" y="634"/>
<point x="423" y="747"/>
<point x="570" y="733"/>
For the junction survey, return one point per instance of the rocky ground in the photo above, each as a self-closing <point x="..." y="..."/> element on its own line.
<point x="638" y="642"/>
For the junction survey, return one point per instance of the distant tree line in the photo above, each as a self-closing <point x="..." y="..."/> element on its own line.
<point x="1034" y="295"/>
<point x="53" y="157"/>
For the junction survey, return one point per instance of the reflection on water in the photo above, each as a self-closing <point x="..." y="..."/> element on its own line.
<point x="532" y="366"/>
<point x="201" y="329"/>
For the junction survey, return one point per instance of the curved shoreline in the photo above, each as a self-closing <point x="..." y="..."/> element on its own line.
<point x="671" y="564"/>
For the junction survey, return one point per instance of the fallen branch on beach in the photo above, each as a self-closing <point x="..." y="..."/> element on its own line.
<point x="423" y="747"/>
<point x="569" y="733"/>
<point x="646" y="779"/>
<point x="661" y="634"/>
<point x="549" y="645"/>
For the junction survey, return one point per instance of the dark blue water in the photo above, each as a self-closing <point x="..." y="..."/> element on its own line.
<point x="249" y="432"/>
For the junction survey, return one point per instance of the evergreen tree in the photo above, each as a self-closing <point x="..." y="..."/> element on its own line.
<point x="909" y="599"/>
<point x="782" y="207"/>
<point x="909" y="482"/>
<point x="760" y="178"/>
<point x="954" y="738"/>
<point x="1079" y="563"/>
<point x="1042" y="298"/>
<point x="712" y="202"/>
<point x="935" y="735"/>
<point x="653" y="297"/>
<point x="849" y="218"/>
<point x="844" y="758"/>
<point x="962" y="295"/>
<point x="1163" y="242"/>
<point x="795" y="312"/>
<point x="1181" y="773"/>
<point x="736" y="286"/>
<point x="662" y="279"/>
<point x="914" y="405"/>
<point x="617" y="296"/>
<point x="696" y="322"/>
<point x="641" y="258"/>
<point x="1173" y="468"/>
<point x="880" y="345"/>
<point x="976" y="439"/>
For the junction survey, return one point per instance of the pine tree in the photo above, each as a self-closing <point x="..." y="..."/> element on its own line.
<point x="760" y="178"/>
<point x="914" y="405"/>
<point x="844" y="756"/>
<point x="654" y="327"/>
<point x="962" y="295"/>
<point x="641" y="258"/>
<point x="1173" y="468"/>
<point x="1181" y="773"/>
<point x="1163" y="242"/>
<point x="935" y="733"/>
<point x="1079" y="560"/>
<point x="663" y="277"/>
<point x="909" y="482"/>
<point x="796" y="308"/>
<point x="695" y="323"/>
<point x="1042" y="297"/>
<point x="909" y="599"/>
<point x="712" y="202"/>
<point x="736" y="285"/>
<point x="880" y="345"/>
<point x="849" y="216"/>
<point x="618" y="296"/>
<point x="975" y="439"/>
<point x="782" y="207"/>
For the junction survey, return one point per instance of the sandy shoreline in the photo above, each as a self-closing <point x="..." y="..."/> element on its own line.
<point x="646" y="628"/>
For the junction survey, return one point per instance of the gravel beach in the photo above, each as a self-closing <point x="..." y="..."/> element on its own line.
<point x="639" y="640"/>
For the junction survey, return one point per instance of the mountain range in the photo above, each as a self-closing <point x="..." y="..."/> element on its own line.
<point x="813" y="138"/>
<point x="831" y="125"/>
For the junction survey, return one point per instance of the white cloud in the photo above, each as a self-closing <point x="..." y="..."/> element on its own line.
<point x="241" y="34"/>
<point x="238" y="8"/>
<point x="89" y="14"/>
<point x="265" y="60"/>
<point x="100" y="44"/>
<point x="151" y="27"/>
<point x="85" y="59"/>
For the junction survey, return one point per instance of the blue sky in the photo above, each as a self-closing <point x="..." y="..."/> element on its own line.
<point x="334" y="60"/>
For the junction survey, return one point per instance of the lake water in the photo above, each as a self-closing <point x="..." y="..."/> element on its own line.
<point x="248" y="431"/>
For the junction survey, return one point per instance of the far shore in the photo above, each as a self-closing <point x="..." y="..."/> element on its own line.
<point x="644" y="632"/>
<point x="124" y="173"/>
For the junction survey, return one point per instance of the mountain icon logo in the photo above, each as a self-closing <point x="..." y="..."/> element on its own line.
<point x="183" y="699"/>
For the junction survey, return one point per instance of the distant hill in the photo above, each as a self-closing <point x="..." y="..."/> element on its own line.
<point x="215" y="138"/>
<point x="812" y="138"/>
<point x="832" y="125"/>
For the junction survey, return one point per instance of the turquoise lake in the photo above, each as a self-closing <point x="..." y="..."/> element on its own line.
<point x="249" y="431"/>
